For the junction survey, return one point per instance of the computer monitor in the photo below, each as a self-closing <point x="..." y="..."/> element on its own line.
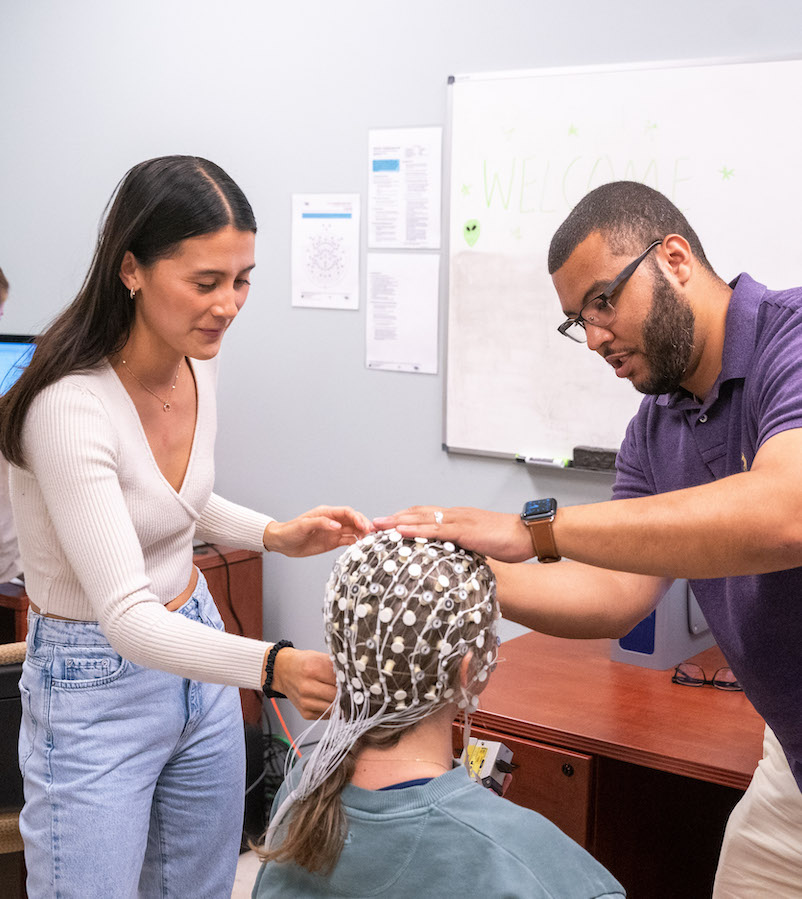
<point x="15" y="353"/>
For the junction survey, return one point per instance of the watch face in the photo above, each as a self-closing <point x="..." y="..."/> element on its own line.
<point x="539" y="508"/>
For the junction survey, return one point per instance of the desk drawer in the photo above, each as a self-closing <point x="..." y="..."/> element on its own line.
<point x="553" y="781"/>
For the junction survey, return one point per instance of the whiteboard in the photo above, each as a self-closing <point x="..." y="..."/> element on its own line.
<point x="721" y="139"/>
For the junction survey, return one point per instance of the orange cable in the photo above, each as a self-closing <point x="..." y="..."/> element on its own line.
<point x="286" y="730"/>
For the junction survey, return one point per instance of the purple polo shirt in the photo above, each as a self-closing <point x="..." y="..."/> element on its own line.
<point x="674" y="442"/>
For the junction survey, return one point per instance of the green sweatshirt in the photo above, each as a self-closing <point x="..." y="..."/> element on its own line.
<point x="448" y="837"/>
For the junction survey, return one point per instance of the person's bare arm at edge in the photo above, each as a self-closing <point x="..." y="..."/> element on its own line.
<point x="748" y="523"/>
<point x="575" y="600"/>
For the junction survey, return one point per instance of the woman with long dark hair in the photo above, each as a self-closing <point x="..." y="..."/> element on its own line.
<point x="131" y="743"/>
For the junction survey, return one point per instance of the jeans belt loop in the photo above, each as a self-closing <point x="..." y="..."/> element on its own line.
<point x="34" y="623"/>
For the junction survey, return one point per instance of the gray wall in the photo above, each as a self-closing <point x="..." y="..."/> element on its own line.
<point x="282" y="96"/>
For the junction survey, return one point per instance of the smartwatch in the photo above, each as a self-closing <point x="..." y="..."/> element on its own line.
<point x="538" y="515"/>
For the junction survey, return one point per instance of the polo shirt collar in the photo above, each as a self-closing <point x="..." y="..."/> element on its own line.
<point x="739" y="342"/>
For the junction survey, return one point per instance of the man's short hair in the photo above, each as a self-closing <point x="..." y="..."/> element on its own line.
<point x="629" y="215"/>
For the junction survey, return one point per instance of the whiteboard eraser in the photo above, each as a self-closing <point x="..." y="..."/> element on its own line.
<point x="595" y="458"/>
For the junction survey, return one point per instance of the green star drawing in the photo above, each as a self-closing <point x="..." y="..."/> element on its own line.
<point x="726" y="173"/>
<point x="466" y="189"/>
<point x="516" y="233"/>
<point x="573" y="131"/>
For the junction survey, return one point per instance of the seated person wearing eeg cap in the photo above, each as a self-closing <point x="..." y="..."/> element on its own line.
<point x="380" y="808"/>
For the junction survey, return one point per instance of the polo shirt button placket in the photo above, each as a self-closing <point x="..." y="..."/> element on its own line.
<point x="702" y="419"/>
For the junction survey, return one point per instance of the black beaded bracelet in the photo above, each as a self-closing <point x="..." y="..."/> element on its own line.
<point x="267" y="688"/>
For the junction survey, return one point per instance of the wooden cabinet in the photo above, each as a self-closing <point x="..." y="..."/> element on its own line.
<point x="13" y="613"/>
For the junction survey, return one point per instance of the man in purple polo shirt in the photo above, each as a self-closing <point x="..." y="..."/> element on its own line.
<point x="707" y="488"/>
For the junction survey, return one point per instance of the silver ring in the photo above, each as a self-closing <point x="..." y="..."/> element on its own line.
<point x="438" y="517"/>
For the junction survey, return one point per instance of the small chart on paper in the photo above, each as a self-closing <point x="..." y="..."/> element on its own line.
<point x="324" y="256"/>
<point x="325" y="250"/>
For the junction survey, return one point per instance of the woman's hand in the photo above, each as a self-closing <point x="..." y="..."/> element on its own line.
<point x="317" y="531"/>
<point x="306" y="678"/>
<point x="501" y="536"/>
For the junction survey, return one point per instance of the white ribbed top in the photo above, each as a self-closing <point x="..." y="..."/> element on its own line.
<point x="104" y="537"/>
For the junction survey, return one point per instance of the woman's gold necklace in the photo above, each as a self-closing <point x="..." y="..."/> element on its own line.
<point x="165" y="403"/>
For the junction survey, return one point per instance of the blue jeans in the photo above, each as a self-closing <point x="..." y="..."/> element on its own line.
<point x="134" y="778"/>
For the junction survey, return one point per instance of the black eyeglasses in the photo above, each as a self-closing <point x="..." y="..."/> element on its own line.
<point x="689" y="675"/>
<point x="600" y="311"/>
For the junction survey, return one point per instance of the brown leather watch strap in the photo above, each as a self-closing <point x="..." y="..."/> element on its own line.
<point x="543" y="540"/>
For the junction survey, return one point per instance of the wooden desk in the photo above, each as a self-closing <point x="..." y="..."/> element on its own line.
<point x="640" y="771"/>
<point x="235" y="581"/>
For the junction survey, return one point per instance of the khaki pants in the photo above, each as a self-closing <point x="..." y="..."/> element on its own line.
<point x="761" y="857"/>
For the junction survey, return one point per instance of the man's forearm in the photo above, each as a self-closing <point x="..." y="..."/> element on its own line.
<point x="568" y="599"/>
<point x="734" y="526"/>
<point x="747" y="523"/>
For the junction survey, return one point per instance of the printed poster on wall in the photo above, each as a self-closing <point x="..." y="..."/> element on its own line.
<point x="401" y="332"/>
<point x="404" y="196"/>
<point x="325" y="251"/>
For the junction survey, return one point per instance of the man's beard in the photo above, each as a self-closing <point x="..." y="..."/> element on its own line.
<point x="667" y="339"/>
